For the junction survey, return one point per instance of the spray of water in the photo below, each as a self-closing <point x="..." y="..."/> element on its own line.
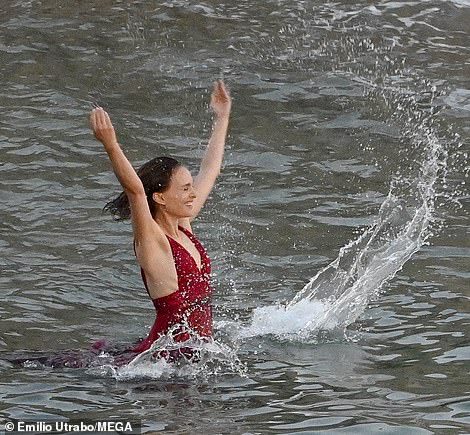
<point x="339" y="293"/>
<point x="196" y="358"/>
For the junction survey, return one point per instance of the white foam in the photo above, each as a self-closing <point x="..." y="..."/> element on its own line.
<point x="156" y="369"/>
<point x="282" y="321"/>
<point x="464" y="3"/>
<point x="199" y="358"/>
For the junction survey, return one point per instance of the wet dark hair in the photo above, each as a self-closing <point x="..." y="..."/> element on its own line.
<point x="155" y="176"/>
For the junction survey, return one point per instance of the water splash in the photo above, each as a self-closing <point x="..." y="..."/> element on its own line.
<point x="285" y="322"/>
<point x="339" y="293"/>
<point x="166" y="358"/>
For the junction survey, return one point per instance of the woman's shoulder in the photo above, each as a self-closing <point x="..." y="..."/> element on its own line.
<point x="152" y="236"/>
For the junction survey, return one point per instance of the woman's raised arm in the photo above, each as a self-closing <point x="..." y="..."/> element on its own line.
<point x="103" y="130"/>
<point x="211" y="163"/>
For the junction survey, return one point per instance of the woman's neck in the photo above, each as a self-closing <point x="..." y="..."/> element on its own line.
<point x="168" y="224"/>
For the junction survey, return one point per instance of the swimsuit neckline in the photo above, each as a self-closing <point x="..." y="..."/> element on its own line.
<point x="191" y="237"/>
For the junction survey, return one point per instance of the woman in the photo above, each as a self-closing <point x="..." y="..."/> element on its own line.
<point x="162" y="199"/>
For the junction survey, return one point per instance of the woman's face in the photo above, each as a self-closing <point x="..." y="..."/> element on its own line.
<point x="180" y="195"/>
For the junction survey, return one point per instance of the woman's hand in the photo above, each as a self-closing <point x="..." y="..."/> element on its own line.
<point x="211" y="163"/>
<point x="102" y="127"/>
<point x="221" y="102"/>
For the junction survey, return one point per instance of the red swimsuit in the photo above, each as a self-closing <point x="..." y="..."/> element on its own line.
<point x="188" y="311"/>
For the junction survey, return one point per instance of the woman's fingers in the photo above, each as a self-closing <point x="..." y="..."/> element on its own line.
<point x="107" y="119"/>
<point x="93" y="120"/>
<point x="220" y="91"/>
<point x="99" y="119"/>
<point x="219" y="86"/>
<point x="220" y="95"/>
<point x="223" y="90"/>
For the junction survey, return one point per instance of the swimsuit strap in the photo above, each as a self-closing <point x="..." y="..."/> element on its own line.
<point x="193" y="239"/>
